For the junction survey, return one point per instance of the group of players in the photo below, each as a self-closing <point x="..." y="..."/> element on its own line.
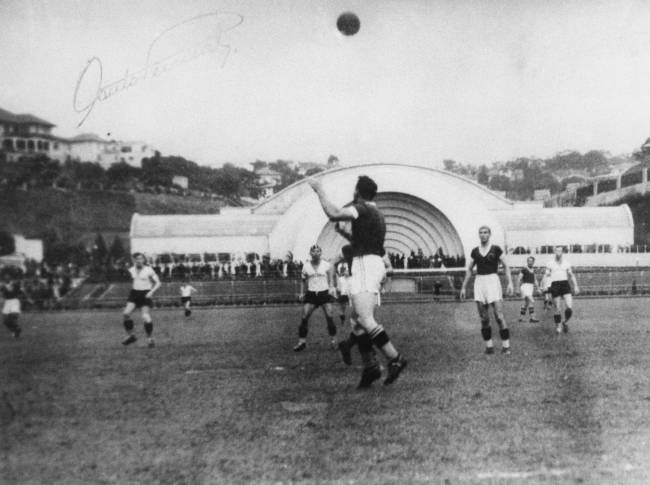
<point x="362" y="270"/>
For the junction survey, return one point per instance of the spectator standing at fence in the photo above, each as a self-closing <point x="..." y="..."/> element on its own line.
<point x="145" y="284"/>
<point x="558" y="272"/>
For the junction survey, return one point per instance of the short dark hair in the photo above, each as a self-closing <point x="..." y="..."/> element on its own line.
<point x="366" y="187"/>
<point x="135" y="255"/>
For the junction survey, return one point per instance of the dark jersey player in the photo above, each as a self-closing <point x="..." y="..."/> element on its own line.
<point x="145" y="284"/>
<point x="368" y="272"/>
<point x="487" y="288"/>
<point x="527" y="289"/>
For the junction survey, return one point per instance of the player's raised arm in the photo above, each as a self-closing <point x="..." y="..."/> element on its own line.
<point x="331" y="210"/>
<point x="339" y="229"/>
<point x="506" y="268"/>
<point x="519" y="280"/>
<point x="468" y="275"/>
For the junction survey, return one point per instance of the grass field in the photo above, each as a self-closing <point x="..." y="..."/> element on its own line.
<point x="223" y="399"/>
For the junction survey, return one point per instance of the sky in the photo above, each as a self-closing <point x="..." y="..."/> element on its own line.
<point x="476" y="81"/>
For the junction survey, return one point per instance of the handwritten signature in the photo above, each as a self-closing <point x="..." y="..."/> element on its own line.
<point x="173" y="47"/>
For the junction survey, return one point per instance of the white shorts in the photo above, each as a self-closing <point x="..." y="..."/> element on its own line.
<point x="487" y="288"/>
<point x="527" y="290"/>
<point x="368" y="274"/>
<point x="11" y="306"/>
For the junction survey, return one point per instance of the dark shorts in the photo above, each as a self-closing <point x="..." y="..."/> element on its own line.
<point x="342" y="299"/>
<point x="318" y="298"/>
<point x="139" y="298"/>
<point x="560" y="288"/>
<point x="185" y="299"/>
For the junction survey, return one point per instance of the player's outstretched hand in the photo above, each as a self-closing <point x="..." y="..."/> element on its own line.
<point x="462" y="294"/>
<point x="315" y="184"/>
<point x="510" y="290"/>
<point x="576" y="290"/>
<point x="332" y="291"/>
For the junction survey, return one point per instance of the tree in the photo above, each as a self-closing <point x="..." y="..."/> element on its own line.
<point x="500" y="182"/>
<point x="7" y="243"/>
<point x="117" y="250"/>
<point x="313" y="171"/>
<point x="122" y="174"/>
<point x="257" y="164"/>
<point x="483" y="178"/>
<point x="332" y="160"/>
<point x="99" y="249"/>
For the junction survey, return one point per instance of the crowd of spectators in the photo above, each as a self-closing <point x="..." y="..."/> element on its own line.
<point x="417" y="260"/>
<point x="44" y="285"/>
<point x="179" y="269"/>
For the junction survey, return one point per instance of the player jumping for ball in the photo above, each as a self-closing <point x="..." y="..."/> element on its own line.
<point x="487" y="288"/>
<point x="527" y="288"/>
<point x="320" y="290"/>
<point x="558" y="272"/>
<point x="145" y="284"/>
<point x="186" y="296"/>
<point x="367" y="273"/>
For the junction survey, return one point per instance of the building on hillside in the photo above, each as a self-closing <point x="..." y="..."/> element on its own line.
<point x="25" y="135"/>
<point x="267" y="181"/>
<point x="542" y="194"/>
<point x="181" y="181"/>
<point x="26" y="249"/>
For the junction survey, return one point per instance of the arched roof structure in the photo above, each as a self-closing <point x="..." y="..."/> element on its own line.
<point x="424" y="208"/>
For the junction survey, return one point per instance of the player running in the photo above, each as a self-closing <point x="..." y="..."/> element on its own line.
<point x="527" y="288"/>
<point x="368" y="272"/>
<point x="186" y="296"/>
<point x="558" y="272"/>
<point x="11" y="292"/>
<point x="320" y="290"/>
<point x="487" y="289"/>
<point x="145" y="284"/>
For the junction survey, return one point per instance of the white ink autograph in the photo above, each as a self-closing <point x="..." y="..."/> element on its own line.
<point x="160" y="58"/>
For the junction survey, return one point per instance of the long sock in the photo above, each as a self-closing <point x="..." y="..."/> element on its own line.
<point x="522" y="311"/>
<point x="368" y="356"/>
<point x="486" y="333"/>
<point x="128" y="324"/>
<point x="148" y="328"/>
<point x="303" y="329"/>
<point x="558" y="318"/>
<point x="504" y="333"/>
<point x="567" y="314"/>
<point x="331" y="327"/>
<point x="381" y="340"/>
<point x="531" y="311"/>
<point x="352" y="339"/>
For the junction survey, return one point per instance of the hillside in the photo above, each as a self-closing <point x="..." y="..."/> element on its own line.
<point x="76" y="216"/>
